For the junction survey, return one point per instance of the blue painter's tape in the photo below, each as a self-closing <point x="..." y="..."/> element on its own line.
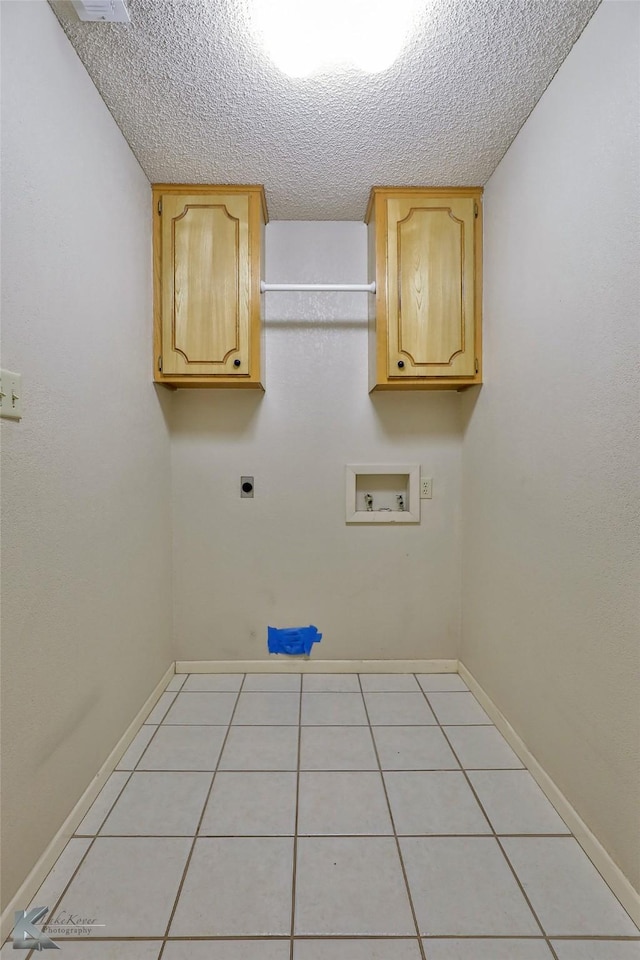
<point x="295" y="641"/>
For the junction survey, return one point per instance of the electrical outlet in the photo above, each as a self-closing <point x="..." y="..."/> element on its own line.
<point x="246" y="487"/>
<point x="426" y="488"/>
<point x="10" y="395"/>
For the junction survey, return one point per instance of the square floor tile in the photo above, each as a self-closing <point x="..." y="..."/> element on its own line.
<point x="267" y="709"/>
<point x="343" y="803"/>
<point x="565" y="889"/>
<point x="200" y="709"/>
<point x="356" y="950"/>
<point x="414" y="748"/>
<point x="137" y="747"/>
<point x="237" y="887"/>
<point x="389" y="683"/>
<point x="227" y="950"/>
<point x="213" y="683"/>
<point x="457" y="708"/>
<point x="103" y="803"/>
<point x="337" y="748"/>
<point x="158" y="713"/>
<point x="351" y="886"/>
<point x="129" y="884"/>
<point x="251" y="804"/>
<point x="597" y="949"/>
<point x="331" y="683"/>
<point x="462" y="886"/>
<point x="176" y="683"/>
<point x="272" y="682"/>
<point x="434" y="802"/>
<point x="159" y="804"/>
<point x="184" y="748"/>
<point x="335" y="709"/>
<point x="514" y="802"/>
<point x="441" y="681"/>
<point x="488" y="949"/>
<point x="482" y="747"/>
<point x="398" y="709"/>
<point x="260" y="748"/>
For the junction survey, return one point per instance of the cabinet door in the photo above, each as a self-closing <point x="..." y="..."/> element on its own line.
<point x="430" y="287"/>
<point x="206" y="284"/>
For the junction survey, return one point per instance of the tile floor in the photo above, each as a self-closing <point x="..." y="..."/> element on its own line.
<point x="328" y="817"/>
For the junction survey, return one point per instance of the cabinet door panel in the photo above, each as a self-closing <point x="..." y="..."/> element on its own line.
<point x="206" y="284"/>
<point x="430" y="287"/>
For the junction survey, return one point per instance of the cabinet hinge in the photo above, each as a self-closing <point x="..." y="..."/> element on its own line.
<point x="160" y="208"/>
<point x="475" y="210"/>
<point x="477" y="365"/>
<point x="160" y="364"/>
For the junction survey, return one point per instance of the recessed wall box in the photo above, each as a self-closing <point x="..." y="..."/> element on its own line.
<point x="383" y="493"/>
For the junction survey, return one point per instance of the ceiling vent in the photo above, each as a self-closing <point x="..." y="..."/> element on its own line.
<point x="102" y="11"/>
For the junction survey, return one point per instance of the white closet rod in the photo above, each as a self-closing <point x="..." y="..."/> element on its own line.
<point x="348" y="287"/>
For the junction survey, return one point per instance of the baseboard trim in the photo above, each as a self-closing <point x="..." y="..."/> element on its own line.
<point x="33" y="882"/>
<point x="277" y="664"/>
<point x="610" y="871"/>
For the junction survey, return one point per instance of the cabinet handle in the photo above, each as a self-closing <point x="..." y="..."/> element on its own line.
<point x="401" y="364"/>
<point x="237" y="362"/>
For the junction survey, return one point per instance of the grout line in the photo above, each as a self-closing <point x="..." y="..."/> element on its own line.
<point x="342" y="937"/>
<point x="196" y="832"/>
<point x="295" y="836"/>
<point x="495" y="836"/>
<point x="327" y="770"/>
<point x="417" y="726"/>
<point x="352" y="836"/>
<point x="399" y="851"/>
<point x="245" y="693"/>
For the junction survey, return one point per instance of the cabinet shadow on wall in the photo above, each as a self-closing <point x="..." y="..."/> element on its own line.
<point x="418" y="414"/>
<point x="215" y="412"/>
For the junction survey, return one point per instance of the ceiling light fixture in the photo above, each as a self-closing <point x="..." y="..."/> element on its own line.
<point x="304" y="38"/>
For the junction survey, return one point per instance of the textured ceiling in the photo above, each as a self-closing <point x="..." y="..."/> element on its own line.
<point x="198" y="101"/>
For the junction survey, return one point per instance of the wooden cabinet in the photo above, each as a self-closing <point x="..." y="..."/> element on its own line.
<point x="208" y="257"/>
<point x="425" y="254"/>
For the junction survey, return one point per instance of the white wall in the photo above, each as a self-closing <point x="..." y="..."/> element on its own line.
<point x="550" y="597"/>
<point x="86" y="555"/>
<point x="287" y="557"/>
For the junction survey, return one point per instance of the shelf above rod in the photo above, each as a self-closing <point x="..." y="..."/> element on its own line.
<point x="321" y="287"/>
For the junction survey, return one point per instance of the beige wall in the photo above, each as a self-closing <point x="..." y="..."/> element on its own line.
<point x="287" y="557"/>
<point x="86" y="628"/>
<point x="550" y="457"/>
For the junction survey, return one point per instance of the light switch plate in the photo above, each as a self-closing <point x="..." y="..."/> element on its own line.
<point x="10" y="395"/>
